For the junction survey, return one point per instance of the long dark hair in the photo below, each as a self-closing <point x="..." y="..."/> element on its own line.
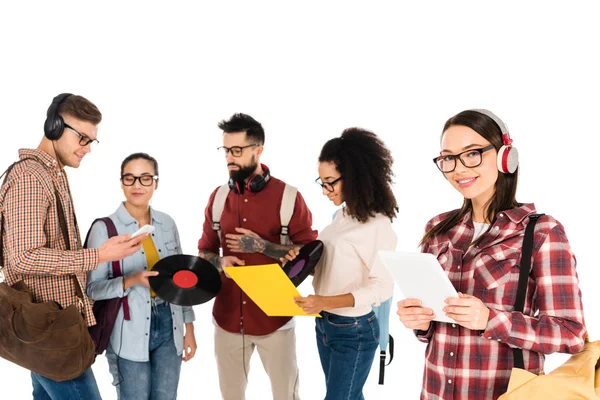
<point x="505" y="189"/>
<point x="366" y="167"/>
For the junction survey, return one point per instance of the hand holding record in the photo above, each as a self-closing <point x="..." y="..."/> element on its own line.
<point x="139" y="278"/>
<point x="302" y="262"/>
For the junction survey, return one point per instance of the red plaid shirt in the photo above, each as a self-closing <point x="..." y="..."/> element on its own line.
<point x="466" y="364"/>
<point x="34" y="248"/>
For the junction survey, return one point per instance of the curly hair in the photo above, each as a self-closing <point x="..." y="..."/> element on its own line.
<point x="365" y="164"/>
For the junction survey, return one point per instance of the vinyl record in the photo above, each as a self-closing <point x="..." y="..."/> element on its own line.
<point x="185" y="280"/>
<point x="306" y="261"/>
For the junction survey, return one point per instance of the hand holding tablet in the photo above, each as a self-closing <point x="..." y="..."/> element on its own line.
<point x="420" y="276"/>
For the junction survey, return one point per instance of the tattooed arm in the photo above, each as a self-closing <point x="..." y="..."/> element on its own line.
<point x="213" y="258"/>
<point x="249" y="242"/>
<point x="220" y="262"/>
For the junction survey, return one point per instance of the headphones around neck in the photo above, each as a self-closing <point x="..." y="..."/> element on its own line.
<point x="55" y="125"/>
<point x="508" y="156"/>
<point x="255" y="184"/>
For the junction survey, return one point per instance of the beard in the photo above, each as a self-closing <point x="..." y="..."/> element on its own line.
<point x="244" y="172"/>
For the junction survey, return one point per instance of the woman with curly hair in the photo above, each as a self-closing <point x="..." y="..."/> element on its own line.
<point x="355" y="169"/>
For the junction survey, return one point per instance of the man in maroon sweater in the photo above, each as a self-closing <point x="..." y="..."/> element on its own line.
<point x="250" y="228"/>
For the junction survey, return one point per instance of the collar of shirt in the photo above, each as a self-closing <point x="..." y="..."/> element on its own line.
<point x="127" y="219"/>
<point x="45" y="159"/>
<point x="508" y="223"/>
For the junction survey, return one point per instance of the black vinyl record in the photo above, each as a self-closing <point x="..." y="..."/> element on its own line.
<point x="185" y="280"/>
<point x="299" y="268"/>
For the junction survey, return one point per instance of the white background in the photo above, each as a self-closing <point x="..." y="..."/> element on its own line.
<point x="163" y="74"/>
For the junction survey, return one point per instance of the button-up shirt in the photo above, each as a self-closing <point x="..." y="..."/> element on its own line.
<point x="34" y="248"/>
<point x="233" y="310"/>
<point x="469" y="364"/>
<point x="131" y="339"/>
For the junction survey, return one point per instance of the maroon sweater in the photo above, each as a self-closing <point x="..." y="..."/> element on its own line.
<point x="258" y="212"/>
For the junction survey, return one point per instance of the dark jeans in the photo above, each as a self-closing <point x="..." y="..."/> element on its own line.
<point x="347" y="346"/>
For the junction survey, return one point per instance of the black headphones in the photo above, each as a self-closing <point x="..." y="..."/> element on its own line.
<point x="255" y="184"/>
<point x="55" y="125"/>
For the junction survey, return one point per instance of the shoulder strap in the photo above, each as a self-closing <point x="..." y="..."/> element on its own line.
<point x="286" y="211"/>
<point x="217" y="208"/>
<point x="112" y="231"/>
<point x="524" y="270"/>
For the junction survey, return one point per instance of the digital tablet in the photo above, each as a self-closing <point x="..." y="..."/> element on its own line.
<point x="420" y="276"/>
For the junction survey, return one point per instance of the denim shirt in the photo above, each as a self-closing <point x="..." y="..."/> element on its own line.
<point x="130" y="339"/>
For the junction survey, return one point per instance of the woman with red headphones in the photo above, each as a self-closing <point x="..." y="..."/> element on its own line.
<point x="480" y="246"/>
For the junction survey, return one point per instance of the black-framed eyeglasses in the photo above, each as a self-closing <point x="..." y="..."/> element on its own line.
<point x="470" y="158"/>
<point x="236" y="151"/>
<point x="145" y="180"/>
<point x="328" y="185"/>
<point x="83" y="139"/>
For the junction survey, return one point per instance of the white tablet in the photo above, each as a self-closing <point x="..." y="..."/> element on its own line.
<point x="420" y="276"/>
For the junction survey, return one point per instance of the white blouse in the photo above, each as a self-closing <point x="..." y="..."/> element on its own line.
<point x="350" y="263"/>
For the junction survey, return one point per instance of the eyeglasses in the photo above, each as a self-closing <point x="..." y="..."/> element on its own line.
<point x="83" y="139"/>
<point x="145" y="180"/>
<point x="470" y="159"/>
<point x="235" y="151"/>
<point x="328" y="185"/>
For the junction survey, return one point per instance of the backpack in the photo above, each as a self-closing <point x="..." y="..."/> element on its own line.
<point x="382" y="312"/>
<point x="577" y="378"/>
<point x="286" y="211"/>
<point x="106" y="311"/>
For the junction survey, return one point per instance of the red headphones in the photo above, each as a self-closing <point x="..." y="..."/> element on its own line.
<point x="255" y="184"/>
<point x="508" y="156"/>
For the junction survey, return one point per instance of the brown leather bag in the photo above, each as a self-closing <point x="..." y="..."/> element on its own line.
<point x="43" y="337"/>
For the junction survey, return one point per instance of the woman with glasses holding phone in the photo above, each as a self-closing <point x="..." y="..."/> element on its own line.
<point x="480" y="246"/>
<point x="148" y="339"/>
<point x="355" y="169"/>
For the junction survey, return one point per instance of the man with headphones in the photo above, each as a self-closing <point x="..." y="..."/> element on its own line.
<point x="40" y="236"/>
<point x="245" y="218"/>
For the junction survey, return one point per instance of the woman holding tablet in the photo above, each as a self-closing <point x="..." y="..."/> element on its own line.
<point x="355" y="169"/>
<point x="147" y="342"/>
<point x="479" y="246"/>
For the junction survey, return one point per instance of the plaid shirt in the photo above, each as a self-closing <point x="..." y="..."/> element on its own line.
<point x="34" y="248"/>
<point x="467" y="364"/>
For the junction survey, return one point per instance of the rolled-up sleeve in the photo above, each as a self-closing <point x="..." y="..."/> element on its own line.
<point x="380" y="286"/>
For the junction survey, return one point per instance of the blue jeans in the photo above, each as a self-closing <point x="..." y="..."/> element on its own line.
<point x="347" y="346"/>
<point x="81" y="388"/>
<point x="158" y="378"/>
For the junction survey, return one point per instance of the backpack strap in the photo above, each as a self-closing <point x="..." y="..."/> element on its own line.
<point x="382" y="312"/>
<point x="383" y="356"/>
<point x="524" y="270"/>
<point x="288" y="201"/>
<point x="116" y="265"/>
<point x="286" y="211"/>
<point x="217" y="208"/>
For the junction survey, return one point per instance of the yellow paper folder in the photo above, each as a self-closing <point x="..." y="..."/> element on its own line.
<point x="269" y="287"/>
